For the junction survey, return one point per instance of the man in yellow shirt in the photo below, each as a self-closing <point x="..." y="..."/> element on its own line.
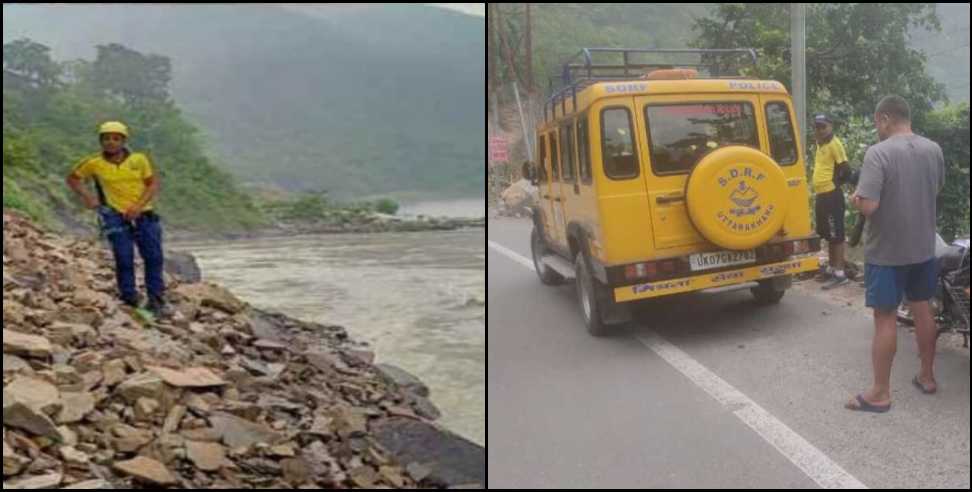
<point x="127" y="186"/>
<point x="830" y="170"/>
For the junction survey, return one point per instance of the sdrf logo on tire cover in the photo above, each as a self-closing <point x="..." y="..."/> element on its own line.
<point x="737" y="197"/>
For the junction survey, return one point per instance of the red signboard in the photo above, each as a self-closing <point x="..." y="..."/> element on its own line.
<point x="498" y="150"/>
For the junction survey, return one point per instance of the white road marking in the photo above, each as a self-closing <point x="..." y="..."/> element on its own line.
<point x="805" y="456"/>
<point x="814" y="463"/>
<point x="509" y="253"/>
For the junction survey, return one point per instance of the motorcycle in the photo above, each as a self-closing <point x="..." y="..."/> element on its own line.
<point x="950" y="306"/>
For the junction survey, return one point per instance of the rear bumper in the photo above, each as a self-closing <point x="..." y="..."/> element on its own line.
<point x="614" y="275"/>
<point x="711" y="280"/>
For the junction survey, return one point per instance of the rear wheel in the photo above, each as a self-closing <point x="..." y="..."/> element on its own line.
<point x="538" y="249"/>
<point x="767" y="293"/>
<point x="592" y="296"/>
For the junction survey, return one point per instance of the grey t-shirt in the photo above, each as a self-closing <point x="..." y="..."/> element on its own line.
<point x="905" y="173"/>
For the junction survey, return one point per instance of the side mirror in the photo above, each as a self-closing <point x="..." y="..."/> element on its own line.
<point x="526" y="170"/>
<point x="529" y="172"/>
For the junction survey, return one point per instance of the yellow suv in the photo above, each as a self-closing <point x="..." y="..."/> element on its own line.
<point x="659" y="179"/>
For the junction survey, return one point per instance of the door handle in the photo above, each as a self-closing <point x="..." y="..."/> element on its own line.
<point x="661" y="200"/>
<point x="556" y="199"/>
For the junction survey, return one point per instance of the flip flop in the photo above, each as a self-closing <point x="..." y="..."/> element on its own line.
<point x="865" y="406"/>
<point x="922" y="387"/>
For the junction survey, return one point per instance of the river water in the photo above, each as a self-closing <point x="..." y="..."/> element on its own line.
<point x="456" y="208"/>
<point x="419" y="299"/>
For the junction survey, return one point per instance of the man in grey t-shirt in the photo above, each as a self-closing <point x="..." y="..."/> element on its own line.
<point x="898" y="192"/>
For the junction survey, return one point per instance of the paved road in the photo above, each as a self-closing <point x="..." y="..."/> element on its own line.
<point x="703" y="391"/>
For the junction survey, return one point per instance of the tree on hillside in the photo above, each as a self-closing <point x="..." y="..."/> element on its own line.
<point x="856" y="52"/>
<point x="138" y="79"/>
<point x="31" y="62"/>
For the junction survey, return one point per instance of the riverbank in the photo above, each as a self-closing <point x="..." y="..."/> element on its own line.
<point x="222" y="395"/>
<point x="367" y="224"/>
<point x="418" y="300"/>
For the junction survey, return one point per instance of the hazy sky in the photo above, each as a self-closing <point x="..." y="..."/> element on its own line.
<point x="468" y="8"/>
<point x="327" y="10"/>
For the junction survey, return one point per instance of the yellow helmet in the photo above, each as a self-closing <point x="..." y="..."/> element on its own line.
<point x="113" y="127"/>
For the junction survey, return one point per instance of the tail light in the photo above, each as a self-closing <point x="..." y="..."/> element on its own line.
<point x="641" y="270"/>
<point x="786" y="249"/>
<point x="801" y="247"/>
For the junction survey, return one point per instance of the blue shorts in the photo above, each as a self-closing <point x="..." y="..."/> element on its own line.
<point x="887" y="284"/>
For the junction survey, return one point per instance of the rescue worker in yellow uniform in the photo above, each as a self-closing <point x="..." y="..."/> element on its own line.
<point x="830" y="171"/>
<point x="127" y="185"/>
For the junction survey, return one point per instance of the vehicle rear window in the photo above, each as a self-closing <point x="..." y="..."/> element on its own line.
<point x="680" y="135"/>
<point x="617" y="144"/>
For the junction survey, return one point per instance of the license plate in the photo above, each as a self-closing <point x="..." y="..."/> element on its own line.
<point x="720" y="259"/>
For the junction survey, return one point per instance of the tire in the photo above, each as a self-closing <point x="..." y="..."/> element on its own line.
<point x="766" y="295"/>
<point x="716" y="186"/>
<point x="904" y="315"/>
<point x="537" y="250"/>
<point x="590" y="298"/>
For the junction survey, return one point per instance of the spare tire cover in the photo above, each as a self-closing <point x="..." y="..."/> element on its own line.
<point x="737" y="197"/>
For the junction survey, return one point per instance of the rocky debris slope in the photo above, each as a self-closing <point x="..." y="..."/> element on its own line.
<point x="516" y="200"/>
<point x="219" y="396"/>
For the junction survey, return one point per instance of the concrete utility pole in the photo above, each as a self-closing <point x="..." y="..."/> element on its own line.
<point x="493" y="59"/>
<point x="529" y="52"/>
<point x="798" y="58"/>
<point x="523" y="122"/>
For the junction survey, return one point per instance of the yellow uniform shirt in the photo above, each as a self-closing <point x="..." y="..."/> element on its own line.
<point x="123" y="184"/>
<point x="824" y="164"/>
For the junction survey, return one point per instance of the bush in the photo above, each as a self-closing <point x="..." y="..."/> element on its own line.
<point x="47" y="130"/>
<point x="949" y="127"/>
<point x="387" y="206"/>
<point x="858" y="134"/>
<point x="15" y="198"/>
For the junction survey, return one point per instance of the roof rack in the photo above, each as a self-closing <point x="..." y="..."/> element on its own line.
<point x="579" y="74"/>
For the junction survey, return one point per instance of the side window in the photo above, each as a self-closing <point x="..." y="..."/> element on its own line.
<point x="783" y="146"/>
<point x="541" y="168"/>
<point x="554" y="157"/>
<point x="567" y="152"/>
<point x="583" y="151"/>
<point x="617" y="144"/>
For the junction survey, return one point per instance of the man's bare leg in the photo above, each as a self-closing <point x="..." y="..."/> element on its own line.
<point x="883" y="348"/>
<point x="927" y="334"/>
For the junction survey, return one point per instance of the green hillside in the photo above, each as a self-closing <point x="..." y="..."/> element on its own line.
<point x="360" y="101"/>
